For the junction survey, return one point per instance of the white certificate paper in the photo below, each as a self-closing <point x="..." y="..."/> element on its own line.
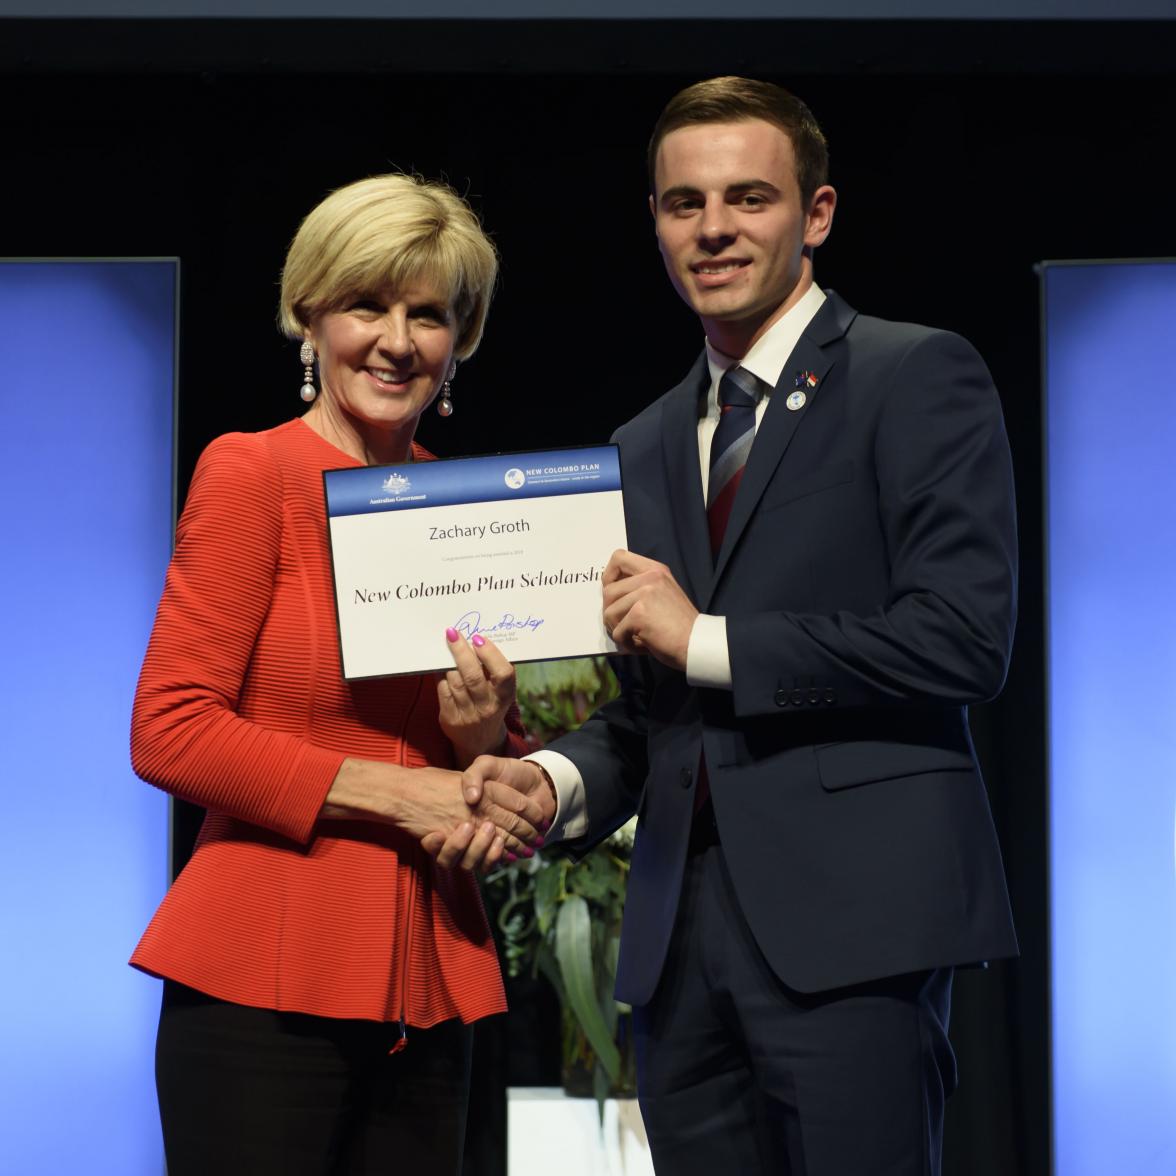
<point x="511" y="546"/>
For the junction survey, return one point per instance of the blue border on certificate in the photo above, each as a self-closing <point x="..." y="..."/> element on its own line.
<point x="499" y="477"/>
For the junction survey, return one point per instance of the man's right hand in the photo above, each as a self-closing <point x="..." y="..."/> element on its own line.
<point x="523" y="776"/>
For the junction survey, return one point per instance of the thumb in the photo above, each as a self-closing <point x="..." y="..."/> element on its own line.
<point x="474" y="777"/>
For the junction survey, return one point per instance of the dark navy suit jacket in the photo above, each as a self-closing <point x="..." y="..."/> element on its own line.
<point x="868" y="579"/>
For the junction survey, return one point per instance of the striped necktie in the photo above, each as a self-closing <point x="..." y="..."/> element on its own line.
<point x="739" y="393"/>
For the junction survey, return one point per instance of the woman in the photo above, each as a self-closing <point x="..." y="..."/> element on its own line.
<point x="320" y="968"/>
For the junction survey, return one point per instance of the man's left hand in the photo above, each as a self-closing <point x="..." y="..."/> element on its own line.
<point x="645" y="611"/>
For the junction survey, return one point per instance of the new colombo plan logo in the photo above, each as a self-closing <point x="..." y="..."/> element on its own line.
<point x="397" y="484"/>
<point x="514" y="478"/>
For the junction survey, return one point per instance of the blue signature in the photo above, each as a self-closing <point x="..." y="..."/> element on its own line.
<point x="471" y="623"/>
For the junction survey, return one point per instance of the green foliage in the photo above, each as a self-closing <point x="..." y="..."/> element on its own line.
<point x="557" y="696"/>
<point x="575" y="955"/>
<point x="559" y="918"/>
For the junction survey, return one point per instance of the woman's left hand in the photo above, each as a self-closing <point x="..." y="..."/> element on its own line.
<point x="474" y="698"/>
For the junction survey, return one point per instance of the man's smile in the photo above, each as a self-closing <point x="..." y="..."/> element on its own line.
<point x="718" y="267"/>
<point x="715" y="275"/>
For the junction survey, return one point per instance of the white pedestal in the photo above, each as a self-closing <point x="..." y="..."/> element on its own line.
<point x="548" y="1132"/>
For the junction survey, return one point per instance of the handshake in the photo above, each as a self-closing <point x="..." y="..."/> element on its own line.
<point x="510" y="803"/>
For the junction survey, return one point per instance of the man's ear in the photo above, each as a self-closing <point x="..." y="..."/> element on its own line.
<point x="653" y="211"/>
<point x="819" y="217"/>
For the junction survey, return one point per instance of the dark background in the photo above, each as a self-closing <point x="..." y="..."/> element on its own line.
<point x="963" y="153"/>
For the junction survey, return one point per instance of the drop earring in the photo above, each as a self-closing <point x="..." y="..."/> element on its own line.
<point x="445" y="404"/>
<point x="306" y="355"/>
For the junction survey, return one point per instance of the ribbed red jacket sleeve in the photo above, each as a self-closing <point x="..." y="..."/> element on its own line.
<point x="186" y="735"/>
<point x="516" y="735"/>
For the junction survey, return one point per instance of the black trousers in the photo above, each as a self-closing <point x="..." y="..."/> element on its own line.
<point x="249" y="1092"/>
<point x="738" y="1073"/>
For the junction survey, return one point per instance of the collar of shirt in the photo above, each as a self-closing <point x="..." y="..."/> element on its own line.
<point x="765" y="360"/>
<point x="769" y="353"/>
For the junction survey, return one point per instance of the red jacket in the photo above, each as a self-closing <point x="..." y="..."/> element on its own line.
<point x="242" y="708"/>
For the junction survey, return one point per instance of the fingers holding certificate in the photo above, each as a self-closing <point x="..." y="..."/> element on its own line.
<point x="645" y="609"/>
<point x="474" y="698"/>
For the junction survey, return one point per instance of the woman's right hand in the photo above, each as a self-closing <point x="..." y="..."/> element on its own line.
<point x="422" y="801"/>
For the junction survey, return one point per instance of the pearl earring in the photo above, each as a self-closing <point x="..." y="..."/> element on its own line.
<point x="306" y="355"/>
<point x="445" y="404"/>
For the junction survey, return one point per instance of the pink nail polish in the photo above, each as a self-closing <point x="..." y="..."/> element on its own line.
<point x="478" y="640"/>
<point x="538" y="842"/>
<point x="528" y="852"/>
<point x="451" y="635"/>
<point x="510" y="857"/>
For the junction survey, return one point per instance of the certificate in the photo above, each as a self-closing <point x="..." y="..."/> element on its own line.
<point x="511" y="546"/>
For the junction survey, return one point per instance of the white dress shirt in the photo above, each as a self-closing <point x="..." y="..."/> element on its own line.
<point x="707" y="660"/>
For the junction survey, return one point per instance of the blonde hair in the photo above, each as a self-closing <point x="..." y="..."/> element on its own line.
<point x="389" y="230"/>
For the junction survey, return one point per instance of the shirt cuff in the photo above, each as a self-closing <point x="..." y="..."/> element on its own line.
<point x="571" y="806"/>
<point x="708" y="662"/>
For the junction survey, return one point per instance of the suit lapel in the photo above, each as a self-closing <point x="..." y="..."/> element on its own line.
<point x="812" y="353"/>
<point x="684" y="480"/>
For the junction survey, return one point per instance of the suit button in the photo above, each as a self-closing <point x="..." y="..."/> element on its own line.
<point x="798" y="697"/>
<point x="814" y="696"/>
<point x="781" y="697"/>
<point x="687" y="777"/>
<point x="830" y="695"/>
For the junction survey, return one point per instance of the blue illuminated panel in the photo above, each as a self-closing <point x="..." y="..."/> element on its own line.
<point x="88" y="361"/>
<point x="1111" y="453"/>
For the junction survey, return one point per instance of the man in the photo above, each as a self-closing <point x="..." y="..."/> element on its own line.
<point x="821" y="578"/>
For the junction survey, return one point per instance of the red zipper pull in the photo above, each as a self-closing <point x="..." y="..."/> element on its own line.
<point x="402" y="1040"/>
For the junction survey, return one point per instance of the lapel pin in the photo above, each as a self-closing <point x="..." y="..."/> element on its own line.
<point x="797" y="400"/>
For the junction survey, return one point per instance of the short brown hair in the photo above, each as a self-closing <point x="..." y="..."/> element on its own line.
<point x="387" y="231"/>
<point x="734" y="99"/>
